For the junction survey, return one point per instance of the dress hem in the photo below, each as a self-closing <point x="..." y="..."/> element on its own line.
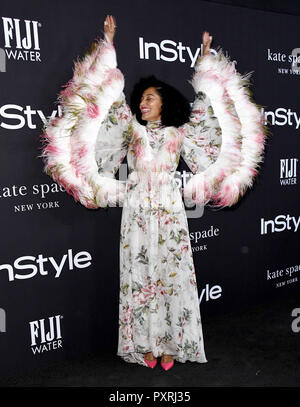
<point x="135" y="357"/>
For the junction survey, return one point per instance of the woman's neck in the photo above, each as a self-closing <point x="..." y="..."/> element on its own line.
<point x="154" y="124"/>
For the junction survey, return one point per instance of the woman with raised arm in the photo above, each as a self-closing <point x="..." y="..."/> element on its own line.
<point x="221" y="139"/>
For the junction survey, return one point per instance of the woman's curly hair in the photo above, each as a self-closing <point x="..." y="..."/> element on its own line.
<point x="175" y="107"/>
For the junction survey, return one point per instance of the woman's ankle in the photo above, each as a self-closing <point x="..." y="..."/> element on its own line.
<point x="167" y="358"/>
<point x="149" y="356"/>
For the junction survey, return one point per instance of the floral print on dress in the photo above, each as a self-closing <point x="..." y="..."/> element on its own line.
<point x="84" y="148"/>
<point x="158" y="301"/>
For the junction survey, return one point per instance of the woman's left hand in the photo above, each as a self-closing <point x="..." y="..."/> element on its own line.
<point x="206" y="41"/>
<point x="110" y="27"/>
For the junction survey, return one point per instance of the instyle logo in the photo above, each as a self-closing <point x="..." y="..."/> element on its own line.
<point x="210" y="293"/>
<point x="16" y="117"/>
<point x="46" y="334"/>
<point x="280" y="224"/>
<point x="283" y="117"/>
<point x="26" y="267"/>
<point x="21" y="39"/>
<point x="169" y="51"/>
<point x="288" y="171"/>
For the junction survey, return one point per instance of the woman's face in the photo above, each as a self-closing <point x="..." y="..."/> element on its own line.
<point x="151" y="105"/>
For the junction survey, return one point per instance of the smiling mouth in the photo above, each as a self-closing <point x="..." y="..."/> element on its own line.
<point x="144" y="111"/>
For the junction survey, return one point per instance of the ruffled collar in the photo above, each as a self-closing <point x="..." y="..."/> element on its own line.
<point x="154" y="125"/>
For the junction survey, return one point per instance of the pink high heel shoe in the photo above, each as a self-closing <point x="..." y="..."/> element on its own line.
<point x="168" y="365"/>
<point x="151" y="363"/>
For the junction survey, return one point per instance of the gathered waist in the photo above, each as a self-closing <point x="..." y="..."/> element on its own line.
<point x="153" y="178"/>
<point x="153" y="190"/>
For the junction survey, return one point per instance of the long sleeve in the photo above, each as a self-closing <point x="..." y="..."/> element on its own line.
<point x="81" y="150"/>
<point x="202" y="136"/>
<point x="111" y="147"/>
<point x="224" y="140"/>
<point x="113" y="138"/>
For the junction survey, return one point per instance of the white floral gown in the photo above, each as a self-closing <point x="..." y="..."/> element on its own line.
<point x="159" y="306"/>
<point x="221" y="144"/>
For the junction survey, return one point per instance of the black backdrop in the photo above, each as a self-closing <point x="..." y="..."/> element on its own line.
<point x="240" y="260"/>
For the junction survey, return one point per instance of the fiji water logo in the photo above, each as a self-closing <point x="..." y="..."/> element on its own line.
<point x="21" y="41"/>
<point x="46" y="334"/>
<point x="288" y="171"/>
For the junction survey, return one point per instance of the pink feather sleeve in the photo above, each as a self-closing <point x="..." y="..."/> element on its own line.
<point x="225" y="168"/>
<point x="69" y="141"/>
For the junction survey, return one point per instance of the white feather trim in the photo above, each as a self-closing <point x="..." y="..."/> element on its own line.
<point x="243" y="133"/>
<point x="69" y="149"/>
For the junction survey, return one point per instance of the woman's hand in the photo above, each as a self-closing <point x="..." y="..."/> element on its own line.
<point x="206" y="41"/>
<point x="110" y="27"/>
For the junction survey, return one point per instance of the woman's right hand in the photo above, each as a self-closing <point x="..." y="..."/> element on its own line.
<point x="110" y="27"/>
<point x="206" y="41"/>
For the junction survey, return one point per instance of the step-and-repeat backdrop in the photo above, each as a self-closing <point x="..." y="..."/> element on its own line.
<point x="59" y="262"/>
